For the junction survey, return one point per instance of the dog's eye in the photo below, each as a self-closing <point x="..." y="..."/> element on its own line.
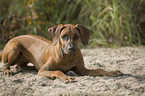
<point x="76" y="37"/>
<point x="64" y="37"/>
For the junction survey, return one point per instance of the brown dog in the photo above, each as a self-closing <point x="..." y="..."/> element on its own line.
<point x="52" y="58"/>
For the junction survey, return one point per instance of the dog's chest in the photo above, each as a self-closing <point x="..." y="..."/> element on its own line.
<point x="66" y="65"/>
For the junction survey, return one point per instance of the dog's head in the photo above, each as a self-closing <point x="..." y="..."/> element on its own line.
<point x="68" y="35"/>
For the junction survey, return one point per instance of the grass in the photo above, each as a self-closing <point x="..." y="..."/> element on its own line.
<point x="2" y="46"/>
<point x="111" y="22"/>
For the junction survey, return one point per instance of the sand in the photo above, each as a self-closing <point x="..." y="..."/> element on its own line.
<point x="129" y="60"/>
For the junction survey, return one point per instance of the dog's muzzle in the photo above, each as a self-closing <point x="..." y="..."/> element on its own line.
<point x="70" y="49"/>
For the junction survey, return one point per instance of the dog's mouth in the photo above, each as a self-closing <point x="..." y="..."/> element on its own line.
<point x="67" y="51"/>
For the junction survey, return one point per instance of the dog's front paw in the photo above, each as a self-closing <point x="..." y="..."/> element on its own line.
<point x="115" y="73"/>
<point x="67" y="79"/>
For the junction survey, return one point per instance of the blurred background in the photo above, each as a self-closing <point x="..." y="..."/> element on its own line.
<point x="111" y="22"/>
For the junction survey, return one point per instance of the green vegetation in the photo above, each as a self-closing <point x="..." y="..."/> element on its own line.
<point x="111" y="22"/>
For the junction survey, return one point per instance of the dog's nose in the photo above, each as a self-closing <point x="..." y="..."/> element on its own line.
<point x="71" y="48"/>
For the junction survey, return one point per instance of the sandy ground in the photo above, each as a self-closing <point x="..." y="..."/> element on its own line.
<point x="129" y="60"/>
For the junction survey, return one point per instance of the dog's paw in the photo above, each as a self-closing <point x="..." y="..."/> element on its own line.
<point x="115" y="73"/>
<point x="67" y="79"/>
<point x="7" y="72"/>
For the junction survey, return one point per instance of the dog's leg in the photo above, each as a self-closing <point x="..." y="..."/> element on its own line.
<point x="102" y="72"/>
<point x="81" y="70"/>
<point x="9" y="55"/>
<point x="44" y="71"/>
<point x="21" y="66"/>
<point x="56" y="74"/>
<point x="22" y="62"/>
<point x="97" y="72"/>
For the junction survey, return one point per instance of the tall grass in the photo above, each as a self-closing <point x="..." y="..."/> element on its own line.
<point x="11" y="19"/>
<point x="112" y="21"/>
<point x="115" y="22"/>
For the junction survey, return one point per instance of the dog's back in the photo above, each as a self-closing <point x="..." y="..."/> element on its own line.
<point x="40" y="38"/>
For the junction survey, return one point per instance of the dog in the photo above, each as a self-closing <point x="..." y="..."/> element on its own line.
<point x="53" y="58"/>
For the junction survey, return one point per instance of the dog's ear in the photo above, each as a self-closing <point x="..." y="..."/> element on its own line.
<point x="84" y="33"/>
<point x="55" y="31"/>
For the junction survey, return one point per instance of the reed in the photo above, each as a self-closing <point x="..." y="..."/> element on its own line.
<point x="111" y="22"/>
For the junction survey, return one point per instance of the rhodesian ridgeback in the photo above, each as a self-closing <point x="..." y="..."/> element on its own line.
<point x="52" y="58"/>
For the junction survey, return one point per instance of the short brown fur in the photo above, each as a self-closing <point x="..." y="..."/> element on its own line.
<point x="52" y="58"/>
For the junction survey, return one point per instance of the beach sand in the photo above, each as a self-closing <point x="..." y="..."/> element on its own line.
<point x="129" y="60"/>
